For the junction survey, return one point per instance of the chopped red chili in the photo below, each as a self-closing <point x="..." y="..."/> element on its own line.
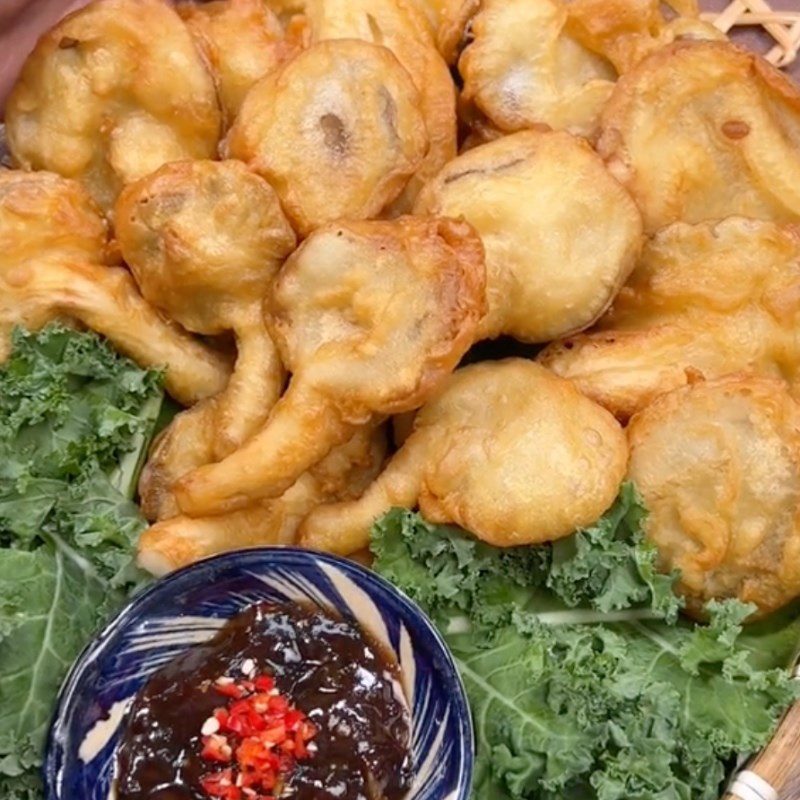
<point x="258" y="735"/>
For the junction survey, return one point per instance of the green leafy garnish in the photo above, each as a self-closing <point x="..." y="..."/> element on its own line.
<point x="584" y="681"/>
<point x="75" y="422"/>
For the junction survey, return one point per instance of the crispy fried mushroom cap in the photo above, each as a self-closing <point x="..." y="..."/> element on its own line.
<point x="561" y="234"/>
<point x="506" y="450"/>
<point x="718" y="468"/>
<point x="370" y="318"/>
<point x="110" y="94"/>
<point x="704" y="130"/>
<point x="337" y="131"/>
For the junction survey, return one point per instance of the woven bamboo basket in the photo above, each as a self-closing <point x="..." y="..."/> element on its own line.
<point x="775" y="24"/>
<point x="773" y="28"/>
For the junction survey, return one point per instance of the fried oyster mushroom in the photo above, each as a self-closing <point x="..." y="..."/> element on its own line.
<point x="336" y="130"/>
<point x="561" y="235"/>
<point x="110" y="94"/>
<point x="705" y="300"/>
<point x="506" y="450"/>
<point x="553" y="63"/>
<point x="718" y="467"/>
<point x="370" y="317"/>
<point x="342" y="475"/>
<point x="241" y="40"/>
<point x="521" y="67"/>
<point x="400" y="27"/>
<point x="627" y="31"/>
<point x="204" y="240"/>
<point x="705" y="130"/>
<point x="56" y="262"/>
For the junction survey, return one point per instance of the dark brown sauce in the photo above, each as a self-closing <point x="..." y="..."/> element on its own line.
<point x="327" y="667"/>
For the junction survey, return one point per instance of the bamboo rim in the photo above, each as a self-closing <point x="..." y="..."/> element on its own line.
<point x="782" y="26"/>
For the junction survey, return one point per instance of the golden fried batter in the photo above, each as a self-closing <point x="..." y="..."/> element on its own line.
<point x="370" y="318"/>
<point x="400" y="26"/>
<point x="626" y="31"/>
<point x="343" y="474"/>
<point x="605" y="25"/>
<point x="702" y="131"/>
<point x="215" y="427"/>
<point x="285" y="8"/>
<point x="382" y="22"/>
<point x="337" y="131"/>
<point x="705" y="300"/>
<point x="522" y="67"/>
<point x="55" y="261"/>
<point x="593" y="38"/>
<point x="718" y="467"/>
<point x="432" y="9"/>
<point x="689" y="271"/>
<point x="561" y="235"/>
<point x="110" y="94"/>
<point x="625" y="370"/>
<point x="241" y="40"/>
<point x="455" y="28"/>
<point x="185" y="444"/>
<point x="506" y="450"/>
<point x="204" y="239"/>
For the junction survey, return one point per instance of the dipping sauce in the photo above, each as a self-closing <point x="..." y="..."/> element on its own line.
<point x="332" y="694"/>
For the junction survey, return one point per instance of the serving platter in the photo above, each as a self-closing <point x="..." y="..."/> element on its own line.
<point x="773" y="29"/>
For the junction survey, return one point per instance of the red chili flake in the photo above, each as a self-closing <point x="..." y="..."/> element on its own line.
<point x="293" y="719"/>
<point x="256" y="721"/>
<point x="261" y="736"/>
<point x="264" y="683"/>
<point x="221" y="715"/>
<point x="277" y="704"/>
<point x="220" y="784"/>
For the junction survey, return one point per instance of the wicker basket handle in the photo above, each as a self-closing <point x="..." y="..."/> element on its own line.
<point x="776" y="767"/>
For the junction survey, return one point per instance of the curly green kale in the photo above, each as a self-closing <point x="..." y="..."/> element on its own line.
<point x="75" y="422"/>
<point x="584" y="681"/>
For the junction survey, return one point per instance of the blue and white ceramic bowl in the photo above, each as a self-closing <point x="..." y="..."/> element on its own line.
<point x="191" y="605"/>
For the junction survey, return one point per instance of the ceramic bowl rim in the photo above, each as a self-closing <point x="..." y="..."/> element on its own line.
<point x="54" y="754"/>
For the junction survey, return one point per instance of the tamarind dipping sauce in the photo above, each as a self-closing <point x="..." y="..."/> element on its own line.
<point x="285" y="688"/>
